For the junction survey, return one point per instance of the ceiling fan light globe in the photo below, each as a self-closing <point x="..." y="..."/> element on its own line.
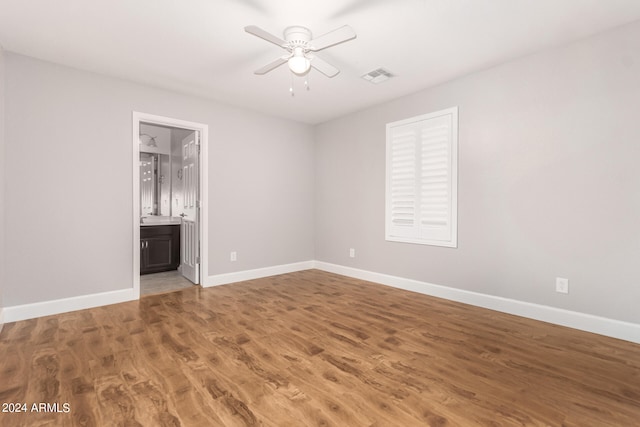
<point x="299" y="64"/>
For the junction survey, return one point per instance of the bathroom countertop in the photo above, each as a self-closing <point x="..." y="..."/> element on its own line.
<point x="149" y="221"/>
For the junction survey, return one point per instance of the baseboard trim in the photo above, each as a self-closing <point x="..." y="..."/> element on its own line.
<point x="258" y="273"/>
<point x="47" y="308"/>
<point x="585" y="322"/>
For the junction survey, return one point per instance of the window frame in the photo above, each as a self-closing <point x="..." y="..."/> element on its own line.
<point x="417" y="234"/>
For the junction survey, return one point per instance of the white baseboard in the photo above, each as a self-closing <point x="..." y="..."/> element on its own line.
<point x="46" y="308"/>
<point x="585" y="322"/>
<point x="258" y="273"/>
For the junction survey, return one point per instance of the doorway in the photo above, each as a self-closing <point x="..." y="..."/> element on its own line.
<point x="169" y="203"/>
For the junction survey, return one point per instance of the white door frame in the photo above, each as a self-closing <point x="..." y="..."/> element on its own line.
<point x="203" y="188"/>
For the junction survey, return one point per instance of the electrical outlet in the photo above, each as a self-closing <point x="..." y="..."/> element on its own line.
<point x="233" y="256"/>
<point x="562" y="285"/>
<point x="352" y="253"/>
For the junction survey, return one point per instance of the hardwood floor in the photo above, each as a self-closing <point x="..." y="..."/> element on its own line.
<point x="312" y="349"/>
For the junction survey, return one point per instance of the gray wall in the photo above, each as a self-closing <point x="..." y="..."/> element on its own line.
<point x="2" y="180"/>
<point x="549" y="180"/>
<point x="68" y="211"/>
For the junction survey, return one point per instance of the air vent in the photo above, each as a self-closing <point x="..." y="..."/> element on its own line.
<point x="378" y="76"/>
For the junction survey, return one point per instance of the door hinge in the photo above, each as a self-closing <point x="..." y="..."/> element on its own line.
<point x="197" y="260"/>
<point x="198" y="204"/>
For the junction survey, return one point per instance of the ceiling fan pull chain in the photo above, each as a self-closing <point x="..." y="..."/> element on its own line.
<point x="306" y="82"/>
<point x="291" y="87"/>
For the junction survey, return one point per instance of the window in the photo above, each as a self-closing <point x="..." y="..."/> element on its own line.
<point x="422" y="179"/>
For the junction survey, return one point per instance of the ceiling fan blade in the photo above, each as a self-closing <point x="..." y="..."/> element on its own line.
<point x="259" y="32"/>
<point x="323" y="66"/>
<point x="271" y="65"/>
<point x="332" y="38"/>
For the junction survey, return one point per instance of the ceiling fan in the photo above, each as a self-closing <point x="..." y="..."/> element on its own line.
<point x="298" y="43"/>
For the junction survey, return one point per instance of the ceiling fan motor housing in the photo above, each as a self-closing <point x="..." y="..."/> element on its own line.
<point x="297" y="36"/>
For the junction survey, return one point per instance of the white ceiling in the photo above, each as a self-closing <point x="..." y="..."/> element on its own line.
<point x="200" y="47"/>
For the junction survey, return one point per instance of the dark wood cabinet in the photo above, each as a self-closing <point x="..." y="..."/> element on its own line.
<point x="159" y="248"/>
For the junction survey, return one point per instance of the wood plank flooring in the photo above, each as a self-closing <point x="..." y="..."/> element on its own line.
<point x="312" y="349"/>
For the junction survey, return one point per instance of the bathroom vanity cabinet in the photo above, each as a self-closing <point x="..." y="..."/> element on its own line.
<point x="159" y="248"/>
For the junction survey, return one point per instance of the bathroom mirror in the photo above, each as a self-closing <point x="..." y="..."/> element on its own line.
<point x="155" y="184"/>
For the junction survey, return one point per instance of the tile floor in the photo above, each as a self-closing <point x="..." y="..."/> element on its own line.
<point x="159" y="283"/>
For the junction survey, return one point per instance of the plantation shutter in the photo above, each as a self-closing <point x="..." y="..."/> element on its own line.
<point x="422" y="179"/>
